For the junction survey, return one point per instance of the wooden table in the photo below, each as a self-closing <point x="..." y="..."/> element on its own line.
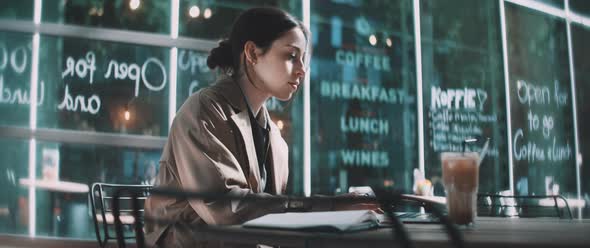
<point x="487" y="232"/>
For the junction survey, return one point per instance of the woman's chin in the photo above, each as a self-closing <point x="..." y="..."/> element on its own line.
<point x="285" y="97"/>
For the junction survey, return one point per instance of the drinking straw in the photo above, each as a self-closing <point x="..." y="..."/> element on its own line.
<point x="484" y="151"/>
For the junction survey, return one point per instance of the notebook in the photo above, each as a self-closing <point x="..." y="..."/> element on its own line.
<point x="333" y="221"/>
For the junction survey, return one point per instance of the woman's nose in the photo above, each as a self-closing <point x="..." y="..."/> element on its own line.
<point x="300" y="71"/>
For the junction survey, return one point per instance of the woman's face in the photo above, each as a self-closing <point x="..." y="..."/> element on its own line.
<point x="281" y="69"/>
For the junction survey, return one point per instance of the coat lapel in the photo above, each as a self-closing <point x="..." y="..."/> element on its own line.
<point x="242" y="121"/>
<point x="278" y="148"/>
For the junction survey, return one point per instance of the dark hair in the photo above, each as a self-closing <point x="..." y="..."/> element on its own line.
<point x="262" y="26"/>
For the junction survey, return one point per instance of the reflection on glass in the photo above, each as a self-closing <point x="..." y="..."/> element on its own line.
<point x="15" y="78"/>
<point x="554" y="3"/>
<point x="65" y="214"/>
<point x="463" y="87"/>
<point x="14" y="217"/>
<point x="213" y="19"/>
<point x="580" y="6"/>
<point x="138" y="15"/>
<point x="363" y="95"/>
<point x="192" y="74"/>
<point x="91" y="85"/>
<point x="19" y="10"/>
<point x="542" y="122"/>
<point x="580" y="41"/>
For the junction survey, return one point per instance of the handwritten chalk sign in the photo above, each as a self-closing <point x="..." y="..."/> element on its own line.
<point x="80" y="70"/>
<point x="536" y="139"/>
<point x="15" y="63"/>
<point x="455" y="114"/>
<point x="16" y="58"/>
<point x="15" y="79"/>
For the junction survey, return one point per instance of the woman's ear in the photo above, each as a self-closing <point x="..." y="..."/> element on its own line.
<point x="250" y="51"/>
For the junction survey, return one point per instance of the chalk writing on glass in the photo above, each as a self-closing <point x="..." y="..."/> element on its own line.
<point x="540" y="102"/>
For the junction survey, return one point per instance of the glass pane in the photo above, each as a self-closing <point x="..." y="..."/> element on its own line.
<point x="19" y="10"/>
<point x="214" y="19"/>
<point x="363" y="92"/>
<point x="103" y="86"/>
<point x="463" y="85"/>
<point x="289" y="118"/>
<point x="581" y="7"/>
<point x="541" y="109"/>
<point x="14" y="215"/>
<point x="554" y="3"/>
<point x="139" y="15"/>
<point x="192" y="74"/>
<point x="15" y="78"/>
<point x="580" y="41"/>
<point x="65" y="214"/>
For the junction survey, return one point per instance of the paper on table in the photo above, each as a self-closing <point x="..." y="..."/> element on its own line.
<point x="344" y="221"/>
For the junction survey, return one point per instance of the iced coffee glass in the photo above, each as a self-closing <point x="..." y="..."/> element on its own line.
<point x="460" y="173"/>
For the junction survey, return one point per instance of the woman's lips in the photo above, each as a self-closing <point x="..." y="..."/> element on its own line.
<point x="294" y="85"/>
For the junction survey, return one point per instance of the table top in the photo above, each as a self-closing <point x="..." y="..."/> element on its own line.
<point x="487" y="232"/>
<point x="55" y="185"/>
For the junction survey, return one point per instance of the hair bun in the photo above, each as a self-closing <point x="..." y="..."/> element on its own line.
<point x="221" y="56"/>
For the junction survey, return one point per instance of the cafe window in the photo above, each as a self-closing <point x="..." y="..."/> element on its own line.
<point x="13" y="198"/>
<point x="100" y="86"/>
<point x="214" y="19"/>
<point x="580" y="39"/>
<point x="193" y="74"/>
<point x="543" y="147"/>
<point x="363" y="91"/>
<point x="16" y="10"/>
<point x="103" y="105"/>
<point x="553" y="3"/>
<point x="65" y="214"/>
<point x="580" y="7"/>
<point x="463" y="87"/>
<point x="137" y="15"/>
<point x="15" y="78"/>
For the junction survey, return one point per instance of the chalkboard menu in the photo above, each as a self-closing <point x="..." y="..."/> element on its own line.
<point x="463" y="88"/>
<point x="363" y="97"/>
<point x="103" y="86"/>
<point x="543" y="148"/>
<point x="15" y="78"/>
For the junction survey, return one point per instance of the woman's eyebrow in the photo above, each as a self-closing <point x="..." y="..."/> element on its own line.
<point x="294" y="46"/>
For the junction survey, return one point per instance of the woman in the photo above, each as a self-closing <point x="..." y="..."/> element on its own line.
<point x="223" y="140"/>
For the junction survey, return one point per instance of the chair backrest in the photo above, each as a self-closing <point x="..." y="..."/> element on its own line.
<point x="101" y="198"/>
<point x="525" y="206"/>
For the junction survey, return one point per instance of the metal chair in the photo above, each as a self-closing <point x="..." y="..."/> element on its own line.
<point x="101" y="198"/>
<point x="524" y="206"/>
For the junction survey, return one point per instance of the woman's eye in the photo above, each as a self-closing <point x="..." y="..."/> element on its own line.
<point x="292" y="56"/>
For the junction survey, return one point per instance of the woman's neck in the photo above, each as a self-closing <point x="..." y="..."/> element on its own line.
<point x="254" y="96"/>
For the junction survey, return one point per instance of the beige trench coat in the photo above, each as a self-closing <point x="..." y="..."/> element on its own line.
<point x="210" y="148"/>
